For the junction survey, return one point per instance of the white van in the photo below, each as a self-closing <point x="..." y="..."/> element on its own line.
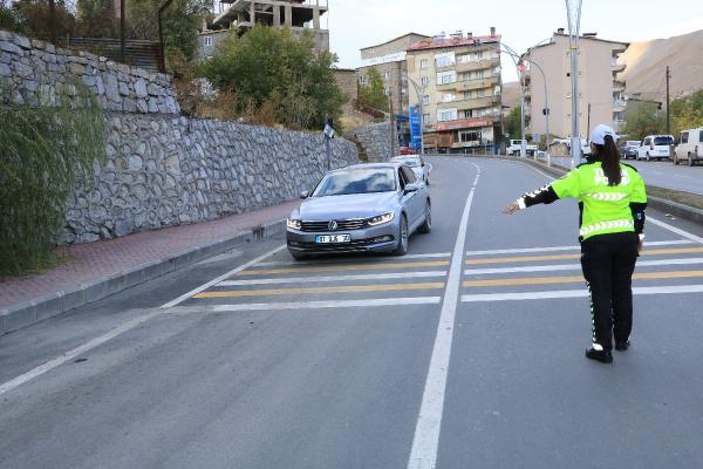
<point x="690" y="147"/>
<point x="655" y="146"/>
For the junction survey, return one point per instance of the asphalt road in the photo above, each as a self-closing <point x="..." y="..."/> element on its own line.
<point x="467" y="352"/>
<point x="661" y="174"/>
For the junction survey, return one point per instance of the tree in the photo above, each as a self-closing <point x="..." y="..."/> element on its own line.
<point x="687" y="112"/>
<point x="373" y="94"/>
<point x="512" y="123"/>
<point x="644" y="118"/>
<point x="271" y="69"/>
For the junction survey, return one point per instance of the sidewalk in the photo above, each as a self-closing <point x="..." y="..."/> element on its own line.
<point x="95" y="270"/>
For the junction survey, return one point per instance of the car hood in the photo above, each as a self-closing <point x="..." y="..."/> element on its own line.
<point x="346" y="206"/>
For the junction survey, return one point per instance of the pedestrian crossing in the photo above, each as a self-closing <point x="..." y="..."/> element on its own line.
<point x="665" y="267"/>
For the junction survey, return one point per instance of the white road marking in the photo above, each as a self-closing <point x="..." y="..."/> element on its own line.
<point x="545" y="295"/>
<point x="561" y="267"/>
<point x="336" y="278"/>
<point x="214" y="281"/>
<point x="423" y="454"/>
<point x="574" y="247"/>
<point x="51" y="364"/>
<point x="306" y="305"/>
<point x="433" y="255"/>
<point x="673" y="229"/>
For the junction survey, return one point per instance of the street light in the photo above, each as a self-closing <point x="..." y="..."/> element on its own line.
<point x="573" y="14"/>
<point x="515" y="56"/>
<point x="527" y="57"/>
<point x="422" y="111"/>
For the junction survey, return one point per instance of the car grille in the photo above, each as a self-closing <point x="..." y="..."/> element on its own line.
<point x="342" y="225"/>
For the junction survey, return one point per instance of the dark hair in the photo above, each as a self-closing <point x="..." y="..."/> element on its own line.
<point x="609" y="156"/>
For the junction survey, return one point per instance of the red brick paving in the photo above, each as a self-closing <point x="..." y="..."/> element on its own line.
<point x="89" y="262"/>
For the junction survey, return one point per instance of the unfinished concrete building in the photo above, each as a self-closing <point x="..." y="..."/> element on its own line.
<point x="242" y="15"/>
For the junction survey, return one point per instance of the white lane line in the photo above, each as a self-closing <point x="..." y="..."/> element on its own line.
<point x="214" y="281"/>
<point x="673" y="229"/>
<point x="51" y="364"/>
<point x="90" y="345"/>
<point x="423" y="454"/>
<point x="574" y="247"/>
<point x="336" y="278"/>
<point x="545" y="295"/>
<point x="561" y="267"/>
<point x="433" y="255"/>
<point x="306" y="305"/>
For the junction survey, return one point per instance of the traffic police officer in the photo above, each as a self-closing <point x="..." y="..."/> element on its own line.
<point x="612" y="200"/>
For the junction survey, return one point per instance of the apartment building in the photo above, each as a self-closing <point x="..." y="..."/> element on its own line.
<point x="456" y="81"/>
<point x="242" y="15"/>
<point x="601" y="91"/>
<point x="388" y="59"/>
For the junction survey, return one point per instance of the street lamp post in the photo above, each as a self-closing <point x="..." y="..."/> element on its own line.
<point x="528" y="58"/>
<point x="422" y="111"/>
<point x="515" y="56"/>
<point x="573" y="14"/>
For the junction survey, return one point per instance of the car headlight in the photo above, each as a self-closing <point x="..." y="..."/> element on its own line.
<point x="293" y="223"/>
<point x="381" y="219"/>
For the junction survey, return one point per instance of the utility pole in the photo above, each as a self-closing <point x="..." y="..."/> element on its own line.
<point x="588" y="120"/>
<point x="668" y="121"/>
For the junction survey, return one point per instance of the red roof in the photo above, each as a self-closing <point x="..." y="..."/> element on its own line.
<point x="437" y="43"/>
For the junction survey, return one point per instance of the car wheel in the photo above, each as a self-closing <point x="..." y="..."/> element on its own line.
<point x="426" y="226"/>
<point x="403" y="236"/>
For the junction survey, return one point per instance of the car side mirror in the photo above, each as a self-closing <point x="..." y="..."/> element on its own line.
<point x="304" y="194"/>
<point x="411" y="187"/>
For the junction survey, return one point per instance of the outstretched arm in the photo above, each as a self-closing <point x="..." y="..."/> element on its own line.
<point x="543" y="195"/>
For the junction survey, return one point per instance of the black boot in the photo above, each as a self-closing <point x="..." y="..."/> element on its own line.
<point x="622" y="346"/>
<point x="603" y="356"/>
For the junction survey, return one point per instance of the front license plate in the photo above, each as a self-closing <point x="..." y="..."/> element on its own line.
<point x="333" y="239"/>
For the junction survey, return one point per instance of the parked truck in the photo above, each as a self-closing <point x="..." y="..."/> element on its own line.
<point x="515" y="147"/>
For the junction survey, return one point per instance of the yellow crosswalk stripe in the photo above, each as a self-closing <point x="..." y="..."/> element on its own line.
<point x="553" y="257"/>
<point x="314" y="290"/>
<point x="577" y="278"/>
<point x="346" y="268"/>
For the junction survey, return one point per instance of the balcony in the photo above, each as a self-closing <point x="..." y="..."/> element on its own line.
<point x="481" y="83"/>
<point x="617" y="67"/>
<point x="447" y="86"/>
<point x="477" y="65"/>
<point x="618" y="85"/>
<point x="619" y="105"/>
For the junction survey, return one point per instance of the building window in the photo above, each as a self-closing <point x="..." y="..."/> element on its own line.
<point x="463" y="59"/>
<point x="444" y="115"/>
<point x="425" y="81"/>
<point x="445" y="59"/>
<point x="426" y="99"/>
<point x="423" y="63"/>
<point x="426" y="118"/>
<point x="363" y="80"/>
<point x="444" y="78"/>
<point x="447" y="98"/>
<point x="208" y="41"/>
<point x="386" y="75"/>
<point x="470" y="136"/>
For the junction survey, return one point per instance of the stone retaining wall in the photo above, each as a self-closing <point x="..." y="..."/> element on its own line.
<point x="163" y="169"/>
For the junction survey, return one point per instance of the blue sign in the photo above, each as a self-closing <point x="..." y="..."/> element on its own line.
<point x="415" y="127"/>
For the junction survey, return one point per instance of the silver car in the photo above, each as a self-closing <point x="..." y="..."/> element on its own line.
<point x="361" y="208"/>
<point x="417" y="164"/>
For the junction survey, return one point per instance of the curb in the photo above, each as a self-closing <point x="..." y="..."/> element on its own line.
<point x="38" y="309"/>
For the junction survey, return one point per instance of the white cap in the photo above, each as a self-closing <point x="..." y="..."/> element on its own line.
<point x="599" y="132"/>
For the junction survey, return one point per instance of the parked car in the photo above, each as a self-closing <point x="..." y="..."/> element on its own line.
<point x="516" y="146"/>
<point x="690" y="147"/>
<point x="655" y="146"/>
<point x="417" y="164"/>
<point x="630" y="148"/>
<point x="368" y="207"/>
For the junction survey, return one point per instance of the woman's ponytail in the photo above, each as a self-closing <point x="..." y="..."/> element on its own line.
<point x="610" y="159"/>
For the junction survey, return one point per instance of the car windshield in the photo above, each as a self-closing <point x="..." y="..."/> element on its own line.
<point x="356" y="181"/>
<point x="412" y="161"/>
<point x="664" y="140"/>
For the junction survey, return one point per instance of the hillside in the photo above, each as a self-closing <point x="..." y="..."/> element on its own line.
<point x="647" y="61"/>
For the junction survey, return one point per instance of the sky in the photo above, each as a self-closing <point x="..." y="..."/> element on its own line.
<point x="356" y="24"/>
